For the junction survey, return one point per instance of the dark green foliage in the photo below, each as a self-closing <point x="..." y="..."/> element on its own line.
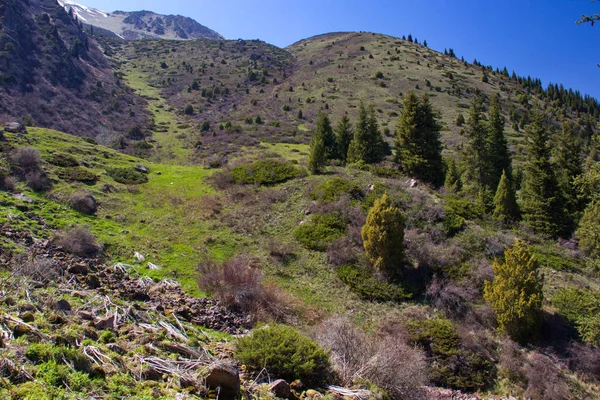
<point x="453" y="223"/>
<point x="460" y="120"/>
<point x="135" y="133"/>
<point x="506" y="209"/>
<point x="418" y="142"/>
<point x="189" y="110"/>
<point x="78" y="174"/>
<point x="329" y="138"/>
<point x="362" y="282"/>
<point x="581" y="307"/>
<point x="39" y="353"/>
<point x="497" y="146"/>
<point x="320" y="231"/>
<point x="127" y="176"/>
<point x="568" y="159"/>
<point x="62" y="160"/>
<point x="323" y="145"/>
<point x="452" y="365"/>
<point x="284" y="353"/>
<point x="344" y="136"/>
<point x="335" y="188"/>
<point x="264" y="172"/>
<point x="367" y="145"/>
<point x="541" y="198"/>
<point x="452" y="182"/>
<point x="589" y="229"/>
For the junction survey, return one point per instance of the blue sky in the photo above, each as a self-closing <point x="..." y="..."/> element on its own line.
<point x="532" y="37"/>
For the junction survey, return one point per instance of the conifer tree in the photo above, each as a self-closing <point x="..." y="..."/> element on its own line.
<point x="589" y="229"/>
<point x="506" y="209"/>
<point x="318" y="153"/>
<point x="418" y="143"/>
<point x="367" y="145"/>
<point x="568" y="158"/>
<point x="541" y="199"/>
<point x="474" y="156"/>
<point x="499" y="155"/>
<point x="516" y="294"/>
<point x="452" y="182"/>
<point x="344" y="136"/>
<point x="383" y="236"/>
<point x="326" y="132"/>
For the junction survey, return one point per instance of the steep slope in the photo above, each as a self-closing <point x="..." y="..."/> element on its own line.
<point x="232" y="83"/>
<point x="137" y="25"/>
<point x="53" y="75"/>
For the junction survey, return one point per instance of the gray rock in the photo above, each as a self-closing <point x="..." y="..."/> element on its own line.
<point x="225" y="378"/>
<point x="141" y="168"/>
<point x="15" y="127"/>
<point x="281" y="389"/>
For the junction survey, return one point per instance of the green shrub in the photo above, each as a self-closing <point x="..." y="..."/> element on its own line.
<point x="77" y="174"/>
<point x="385" y="172"/>
<point x="284" y="353"/>
<point x="264" y="172"/>
<point x="320" y="231"/>
<point x="335" y="188"/>
<point x="52" y="374"/>
<point x="581" y="307"/>
<point x="127" y="176"/>
<point x="62" y="160"/>
<point x="362" y="282"/>
<point x="453" y="223"/>
<point x="551" y="259"/>
<point x="589" y="329"/>
<point x="452" y="365"/>
<point x="40" y="353"/>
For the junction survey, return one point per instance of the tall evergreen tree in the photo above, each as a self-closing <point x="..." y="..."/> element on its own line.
<point x="452" y="182"/>
<point x="326" y="131"/>
<point x="568" y="158"/>
<point x="541" y="199"/>
<point x="497" y="146"/>
<point x="317" y="158"/>
<point x="506" y="209"/>
<point x="418" y="143"/>
<point x="474" y="156"/>
<point x="344" y="136"/>
<point x="589" y="229"/>
<point x="367" y="145"/>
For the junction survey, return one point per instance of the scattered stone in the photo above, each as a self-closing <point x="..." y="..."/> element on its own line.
<point x="141" y="168"/>
<point x="139" y="256"/>
<point x="224" y="376"/>
<point x="15" y="127"/>
<point x="27" y="317"/>
<point x="281" y="389"/>
<point x="153" y="267"/>
<point x="88" y="316"/>
<point x="22" y="197"/>
<point x="105" y="323"/>
<point x="63" y="305"/>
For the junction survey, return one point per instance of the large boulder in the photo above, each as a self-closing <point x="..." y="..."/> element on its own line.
<point x="225" y="378"/>
<point x="15" y="127"/>
<point x="281" y="389"/>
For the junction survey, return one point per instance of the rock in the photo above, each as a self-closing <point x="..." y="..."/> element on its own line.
<point x="85" y="204"/>
<point x="88" y="316"/>
<point x="281" y="389"/>
<point x="105" y="323"/>
<point x="15" y="127"/>
<point x="63" y="305"/>
<point x="139" y="256"/>
<point x="225" y="377"/>
<point x="312" y="394"/>
<point x="20" y="330"/>
<point x="413" y="183"/>
<point x="78" y="269"/>
<point x="93" y="282"/>
<point x="24" y="198"/>
<point x="28" y="317"/>
<point x="141" y="168"/>
<point x="56" y="319"/>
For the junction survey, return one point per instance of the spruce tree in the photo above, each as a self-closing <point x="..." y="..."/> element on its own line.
<point x="383" y="236"/>
<point x="452" y="182"/>
<point x="474" y="156"/>
<point x="589" y="229"/>
<point x="497" y="146"/>
<point x="326" y="132"/>
<point x="367" y="144"/>
<point x="541" y="199"/>
<point x="506" y="209"/>
<point x="568" y="158"/>
<point x="418" y="143"/>
<point x="318" y="153"/>
<point x="344" y="136"/>
<point x="516" y="293"/>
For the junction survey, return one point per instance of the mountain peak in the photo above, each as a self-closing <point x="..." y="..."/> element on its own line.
<point x="142" y="24"/>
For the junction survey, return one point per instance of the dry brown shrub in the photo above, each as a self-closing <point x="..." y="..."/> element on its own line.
<point x="451" y="299"/>
<point x="37" y="181"/>
<point x="43" y="270"/>
<point x="280" y="251"/>
<point x="83" y="202"/>
<point x="78" y="241"/>
<point x="9" y="183"/>
<point x="343" y="251"/>
<point x="27" y="159"/>
<point x="238" y="284"/>
<point x="545" y="380"/>
<point x="585" y="360"/>
<point x="272" y="196"/>
<point x="387" y="361"/>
